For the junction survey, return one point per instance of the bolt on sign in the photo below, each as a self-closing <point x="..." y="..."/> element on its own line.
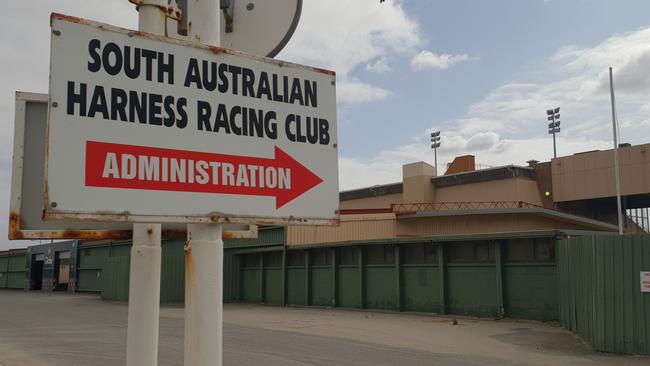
<point x="150" y="129"/>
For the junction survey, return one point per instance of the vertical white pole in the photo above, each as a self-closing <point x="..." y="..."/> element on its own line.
<point x="616" y="169"/>
<point x="144" y="281"/>
<point x="144" y="296"/>
<point x="203" y="295"/>
<point x="204" y="248"/>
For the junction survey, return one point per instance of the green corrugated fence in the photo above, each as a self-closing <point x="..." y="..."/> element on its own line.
<point x="599" y="291"/>
<point x="12" y="269"/>
<point x="513" y="278"/>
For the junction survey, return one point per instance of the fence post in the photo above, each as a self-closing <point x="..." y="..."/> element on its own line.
<point x="499" y="278"/>
<point x="398" y="278"/>
<point x="362" y="281"/>
<point x="334" y="277"/>
<point x="442" y="281"/>
<point x="307" y="280"/>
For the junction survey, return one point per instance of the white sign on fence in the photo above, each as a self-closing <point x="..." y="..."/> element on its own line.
<point x="143" y="128"/>
<point x="645" y="281"/>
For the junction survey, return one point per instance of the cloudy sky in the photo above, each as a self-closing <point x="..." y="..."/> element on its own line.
<point x="482" y="72"/>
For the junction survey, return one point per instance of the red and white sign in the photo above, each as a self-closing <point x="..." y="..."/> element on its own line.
<point x="645" y="281"/>
<point x="144" y="128"/>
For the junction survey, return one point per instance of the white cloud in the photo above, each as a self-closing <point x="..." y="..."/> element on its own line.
<point x="354" y="92"/>
<point x="380" y="66"/>
<point x="25" y="65"/>
<point x="429" y="60"/>
<point x="342" y="35"/>
<point x="509" y="125"/>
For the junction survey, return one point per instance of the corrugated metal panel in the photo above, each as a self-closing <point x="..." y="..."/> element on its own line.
<point x="4" y="260"/>
<point x="479" y="224"/>
<point x="12" y="269"/>
<point x="363" y="228"/>
<point x="115" y="279"/>
<point x="599" y="290"/>
<point x="266" y="236"/>
<point x="172" y="275"/>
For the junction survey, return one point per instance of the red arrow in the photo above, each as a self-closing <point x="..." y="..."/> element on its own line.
<point x="111" y="165"/>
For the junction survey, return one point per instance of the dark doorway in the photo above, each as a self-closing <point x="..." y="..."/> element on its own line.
<point x="36" y="272"/>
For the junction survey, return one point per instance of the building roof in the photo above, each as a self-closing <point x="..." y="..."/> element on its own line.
<point x="378" y="190"/>
<point x="484" y="175"/>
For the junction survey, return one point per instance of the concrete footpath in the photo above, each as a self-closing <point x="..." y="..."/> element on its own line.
<point x="59" y="329"/>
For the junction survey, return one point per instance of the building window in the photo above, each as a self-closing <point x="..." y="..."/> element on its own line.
<point x="530" y="250"/>
<point x="295" y="258"/>
<point x="348" y="256"/>
<point x="273" y="259"/>
<point x="251" y="260"/>
<point x="419" y="254"/>
<point x="380" y="254"/>
<point x="319" y="257"/>
<point x="471" y="252"/>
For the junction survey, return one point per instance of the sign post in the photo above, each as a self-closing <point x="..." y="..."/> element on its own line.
<point x="146" y="253"/>
<point x="151" y="130"/>
<point x="204" y="247"/>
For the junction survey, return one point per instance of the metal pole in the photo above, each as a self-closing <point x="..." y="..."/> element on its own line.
<point x="554" y="147"/>
<point x="204" y="248"/>
<point x="144" y="281"/>
<point x="435" y="154"/>
<point x="616" y="170"/>
<point x="144" y="296"/>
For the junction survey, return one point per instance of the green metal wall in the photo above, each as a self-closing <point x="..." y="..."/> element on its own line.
<point x="599" y="291"/>
<point x="115" y="278"/>
<point x="421" y="288"/>
<point x="530" y="291"/>
<point x="472" y="289"/>
<point x="91" y="260"/>
<point x="493" y="288"/>
<point x="12" y="269"/>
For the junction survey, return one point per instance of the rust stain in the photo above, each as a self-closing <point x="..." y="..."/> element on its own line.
<point x="227" y="235"/>
<point x="14" y="227"/>
<point x="96" y="234"/>
<point x="217" y="50"/>
<point x="187" y="248"/>
<point x="323" y="71"/>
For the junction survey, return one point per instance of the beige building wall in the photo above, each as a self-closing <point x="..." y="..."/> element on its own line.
<point x="512" y="189"/>
<point x="352" y="227"/>
<point x="416" y="178"/>
<point x="479" y="224"/>
<point x="591" y="175"/>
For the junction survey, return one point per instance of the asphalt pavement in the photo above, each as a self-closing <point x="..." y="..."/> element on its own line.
<point x="60" y="329"/>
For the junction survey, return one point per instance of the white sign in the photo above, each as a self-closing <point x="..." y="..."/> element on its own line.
<point x="145" y="128"/>
<point x="645" y="281"/>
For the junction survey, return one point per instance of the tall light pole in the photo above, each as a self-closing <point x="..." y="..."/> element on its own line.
<point x="435" y="144"/>
<point x="554" y="125"/>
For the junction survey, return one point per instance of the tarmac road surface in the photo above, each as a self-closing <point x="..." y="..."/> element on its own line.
<point x="39" y="329"/>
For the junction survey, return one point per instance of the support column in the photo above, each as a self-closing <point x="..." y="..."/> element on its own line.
<point x="204" y="248"/>
<point x="144" y="296"/>
<point x="442" y="278"/>
<point x="146" y="251"/>
<point x="499" y="278"/>
<point x="284" y="275"/>
<point x="307" y="280"/>
<point x="362" y="279"/>
<point x="261" y="278"/>
<point x="398" y="279"/>
<point x="335" y="271"/>
<point x="203" y="295"/>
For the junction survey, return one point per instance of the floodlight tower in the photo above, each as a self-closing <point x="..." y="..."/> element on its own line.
<point x="435" y="144"/>
<point x="554" y="126"/>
